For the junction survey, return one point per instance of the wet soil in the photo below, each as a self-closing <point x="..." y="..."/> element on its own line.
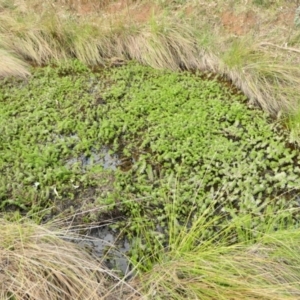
<point x="112" y="247"/>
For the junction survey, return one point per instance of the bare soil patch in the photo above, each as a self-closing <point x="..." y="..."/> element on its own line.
<point x="241" y="23"/>
<point x="139" y="13"/>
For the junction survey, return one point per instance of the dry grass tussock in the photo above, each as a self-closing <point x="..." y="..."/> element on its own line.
<point x="11" y="65"/>
<point x="253" y="46"/>
<point x="37" y="263"/>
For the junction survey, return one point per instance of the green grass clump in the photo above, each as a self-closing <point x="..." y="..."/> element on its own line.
<point x="190" y="268"/>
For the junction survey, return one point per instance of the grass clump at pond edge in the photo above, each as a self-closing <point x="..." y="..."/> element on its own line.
<point x="41" y="262"/>
<point x="191" y="268"/>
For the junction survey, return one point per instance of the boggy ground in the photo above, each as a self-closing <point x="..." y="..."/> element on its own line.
<point x="195" y="167"/>
<point x="199" y="165"/>
<point x="175" y="135"/>
<point x="160" y="126"/>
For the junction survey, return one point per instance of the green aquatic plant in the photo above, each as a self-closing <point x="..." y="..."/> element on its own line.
<point x="46" y="120"/>
<point x="178" y="126"/>
<point x="163" y="126"/>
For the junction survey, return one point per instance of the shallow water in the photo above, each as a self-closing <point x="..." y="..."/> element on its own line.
<point x="102" y="157"/>
<point x="109" y="245"/>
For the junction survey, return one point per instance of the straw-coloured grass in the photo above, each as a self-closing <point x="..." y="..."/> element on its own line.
<point x="38" y="263"/>
<point x="10" y="65"/>
<point x="262" y="76"/>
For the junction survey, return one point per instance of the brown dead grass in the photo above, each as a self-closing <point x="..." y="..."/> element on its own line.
<point x="10" y="65"/>
<point x="37" y="263"/>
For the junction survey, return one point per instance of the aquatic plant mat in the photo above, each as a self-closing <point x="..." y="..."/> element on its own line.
<point x="123" y="137"/>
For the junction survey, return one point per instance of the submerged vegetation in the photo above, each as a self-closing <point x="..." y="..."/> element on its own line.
<point x="175" y="124"/>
